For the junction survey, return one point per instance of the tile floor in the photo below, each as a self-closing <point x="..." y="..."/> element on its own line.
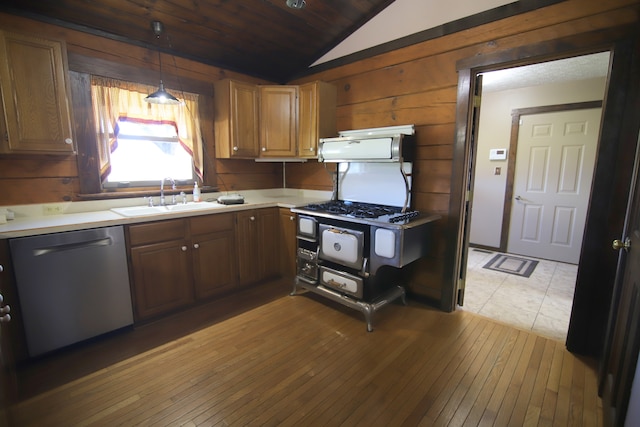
<point x="541" y="303"/>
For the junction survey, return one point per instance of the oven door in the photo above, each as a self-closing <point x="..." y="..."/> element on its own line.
<point x="342" y="281"/>
<point x="342" y="246"/>
<point x="307" y="228"/>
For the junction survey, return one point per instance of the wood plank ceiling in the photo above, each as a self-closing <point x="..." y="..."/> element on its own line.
<point x="262" y="38"/>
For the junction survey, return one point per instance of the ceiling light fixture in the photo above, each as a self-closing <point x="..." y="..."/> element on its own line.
<point x="160" y="96"/>
<point x="296" y="4"/>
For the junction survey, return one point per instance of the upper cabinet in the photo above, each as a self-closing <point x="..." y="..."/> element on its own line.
<point x="236" y="119"/>
<point x="316" y="116"/>
<point x="273" y="121"/>
<point x="35" y="96"/>
<point x="278" y="121"/>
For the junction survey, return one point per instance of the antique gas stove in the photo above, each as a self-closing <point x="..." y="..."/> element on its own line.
<point x="353" y="249"/>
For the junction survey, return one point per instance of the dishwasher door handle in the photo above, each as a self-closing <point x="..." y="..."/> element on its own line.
<point x="106" y="241"/>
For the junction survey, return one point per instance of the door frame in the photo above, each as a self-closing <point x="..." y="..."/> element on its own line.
<point x="611" y="176"/>
<point x="516" y="114"/>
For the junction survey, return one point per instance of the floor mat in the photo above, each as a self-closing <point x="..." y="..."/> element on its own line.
<point x="513" y="265"/>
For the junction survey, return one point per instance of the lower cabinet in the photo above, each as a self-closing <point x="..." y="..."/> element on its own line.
<point x="288" y="243"/>
<point x="257" y="240"/>
<point x="160" y="267"/>
<point x="175" y="262"/>
<point x="214" y="260"/>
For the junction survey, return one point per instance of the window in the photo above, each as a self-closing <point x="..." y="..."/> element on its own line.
<point x="139" y="144"/>
<point x="146" y="153"/>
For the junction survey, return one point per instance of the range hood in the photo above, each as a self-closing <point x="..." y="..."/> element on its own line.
<point x="365" y="145"/>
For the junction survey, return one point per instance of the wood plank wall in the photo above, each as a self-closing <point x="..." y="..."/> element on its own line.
<point x="418" y="85"/>
<point x="27" y="179"/>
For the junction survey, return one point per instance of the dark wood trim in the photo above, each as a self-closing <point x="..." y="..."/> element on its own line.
<point x="114" y="70"/>
<point x="87" y="158"/>
<point x="459" y="180"/>
<point x="556" y="107"/>
<point x="513" y="151"/>
<point x="496" y="14"/>
<point x="565" y="47"/>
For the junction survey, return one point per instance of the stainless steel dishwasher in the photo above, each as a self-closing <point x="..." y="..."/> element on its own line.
<point x="71" y="286"/>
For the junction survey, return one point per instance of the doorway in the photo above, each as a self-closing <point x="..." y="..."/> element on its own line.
<point x="542" y="300"/>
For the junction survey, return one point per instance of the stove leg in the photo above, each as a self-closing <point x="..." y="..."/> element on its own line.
<point x="295" y="287"/>
<point x="367" y="310"/>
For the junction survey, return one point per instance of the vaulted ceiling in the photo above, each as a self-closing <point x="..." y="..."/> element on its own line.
<point x="263" y="38"/>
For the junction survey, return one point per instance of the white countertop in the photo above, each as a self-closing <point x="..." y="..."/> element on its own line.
<point x="30" y="220"/>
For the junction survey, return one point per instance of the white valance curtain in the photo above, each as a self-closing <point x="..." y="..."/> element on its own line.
<point x="115" y="100"/>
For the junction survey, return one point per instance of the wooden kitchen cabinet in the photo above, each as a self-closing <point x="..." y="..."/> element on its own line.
<point x="236" y="119"/>
<point x="177" y="262"/>
<point x="35" y="96"/>
<point x="161" y="267"/>
<point x="278" y="121"/>
<point x="316" y="116"/>
<point x="257" y="241"/>
<point x="213" y="249"/>
<point x="288" y="242"/>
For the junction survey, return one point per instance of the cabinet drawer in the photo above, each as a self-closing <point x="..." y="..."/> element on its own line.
<point x="154" y="232"/>
<point x="211" y="223"/>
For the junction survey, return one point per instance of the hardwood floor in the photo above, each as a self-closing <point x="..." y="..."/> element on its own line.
<point x="302" y="360"/>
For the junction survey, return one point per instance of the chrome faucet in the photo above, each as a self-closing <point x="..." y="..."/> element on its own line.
<point x="173" y="187"/>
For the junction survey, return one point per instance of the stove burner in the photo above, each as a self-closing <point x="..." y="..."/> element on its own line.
<point x="354" y="209"/>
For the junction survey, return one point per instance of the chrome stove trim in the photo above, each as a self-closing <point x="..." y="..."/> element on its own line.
<point x="413" y="222"/>
<point x="368" y="309"/>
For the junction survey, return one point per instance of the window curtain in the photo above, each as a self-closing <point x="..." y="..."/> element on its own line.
<point x="115" y="100"/>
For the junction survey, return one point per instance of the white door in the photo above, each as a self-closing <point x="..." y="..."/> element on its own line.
<point x="554" y="168"/>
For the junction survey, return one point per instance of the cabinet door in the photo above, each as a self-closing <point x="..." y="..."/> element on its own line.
<point x="257" y="244"/>
<point x="35" y="97"/>
<point x="278" y="121"/>
<point x="214" y="263"/>
<point x="288" y="243"/>
<point x="236" y="119"/>
<point x="268" y="240"/>
<point x="162" y="277"/>
<point x="247" y="247"/>
<point x="316" y="116"/>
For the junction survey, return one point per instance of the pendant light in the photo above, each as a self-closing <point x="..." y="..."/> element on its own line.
<point x="296" y="4"/>
<point x="160" y="96"/>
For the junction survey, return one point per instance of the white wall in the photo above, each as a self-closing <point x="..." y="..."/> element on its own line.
<point x="405" y="17"/>
<point x="495" y="132"/>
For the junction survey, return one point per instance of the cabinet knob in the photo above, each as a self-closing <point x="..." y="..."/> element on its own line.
<point x="253" y="218"/>
<point x="292" y="218"/>
<point x="183" y="248"/>
<point x="5" y="319"/>
<point x="68" y="141"/>
<point x="235" y="148"/>
<point x="196" y="246"/>
<point x="1" y="268"/>
<point x="311" y="149"/>
<point x="5" y="309"/>
<point x="264" y="149"/>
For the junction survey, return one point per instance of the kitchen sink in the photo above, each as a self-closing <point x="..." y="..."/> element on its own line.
<point x="131" y="211"/>
<point x="191" y="206"/>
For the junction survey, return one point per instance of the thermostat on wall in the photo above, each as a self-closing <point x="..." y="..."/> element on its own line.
<point x="498" y="154"/>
